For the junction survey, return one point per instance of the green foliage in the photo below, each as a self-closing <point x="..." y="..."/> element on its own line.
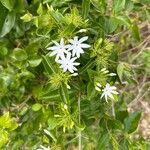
<point x="53" y="108"/>
<point x="7" y="125"/>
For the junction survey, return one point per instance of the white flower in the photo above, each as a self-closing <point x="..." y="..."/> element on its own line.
<point x="108" y="91"/>
<point x="112" y="74"/>
<point x="44" y="148"/>
<point x="68" y="63"/>
<point x="77" y="46"/>
<point x="59" y="49"/>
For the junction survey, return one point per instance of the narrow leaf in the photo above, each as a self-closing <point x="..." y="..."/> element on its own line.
<point x="64" y="93"/>
<point x="85" y="8"/>
<point x="48" y="65"/>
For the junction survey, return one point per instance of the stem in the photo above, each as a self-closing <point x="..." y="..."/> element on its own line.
<point x="79" y="134"/>
<point x="113" y="109"/>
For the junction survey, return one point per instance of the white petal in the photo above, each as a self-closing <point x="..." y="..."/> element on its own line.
<point x="76" y="64"/>
<point x="62" y="42"/>
<point x="56" y="43"/>
<point x="73" y="59"/>
<point x="71" y="70"/>
<point x="115" y="92"/>
<point x="67" y="46"/>
<point x="76" y="39"/>
<point x="57" y="58"/>
<point x="68" y="56"/>
<point x="71" y="41"/>
<point x="103" y="69"/>
<point x="73" y="52"/>
<point x="78" y="54"/>
<point x="53" y="53"/>
<point x="81" y="51"/>
<point x="102" y="95"/>
<point x="113" y="87"/>
<point x="75" y="74"/>
<point x="111" y="96"/>
<point x="99" y="85"/>
<point x="105" y="72"/>
<point x="112" y="74"/>
<point x="97" y="88"/>
<point x="84" y="45"/>
<point x="74" y="68"/>
<point x="71" y="47"/>
<point x="106" y="98"/>
<point x="52" y="48"/>
<point x="82" y="30"/>
<point x="83" y="39"/>
<point x="65" y="68"/>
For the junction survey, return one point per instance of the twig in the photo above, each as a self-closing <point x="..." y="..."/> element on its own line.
<point x="138" y="46"/>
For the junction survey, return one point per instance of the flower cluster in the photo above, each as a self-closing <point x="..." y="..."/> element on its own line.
<point x="108" y="91"/>
<point x="66" y="55"/>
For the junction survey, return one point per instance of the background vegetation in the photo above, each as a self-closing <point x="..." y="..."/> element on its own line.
<point x="36" y="108"/>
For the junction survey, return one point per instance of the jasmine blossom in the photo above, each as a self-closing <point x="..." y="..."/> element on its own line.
<point x="108" y="92"/>
<point x="59" y="49"/>
<point x="77" y="46"/>
<point x="68" y="63"/>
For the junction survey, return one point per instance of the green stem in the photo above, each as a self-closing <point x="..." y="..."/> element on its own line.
<point x="79" y="115"/>
<point x="113" y="109"/>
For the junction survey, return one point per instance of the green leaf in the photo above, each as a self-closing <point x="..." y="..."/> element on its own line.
<point x="40" y="10"/>
<point x="35" y="62"/>
<point x="135" y="31"/>
<point x="3" y="51"/>
<point x="19" y="5"/>
<point x="91" y="92"/>
<point x="36" y="107"/>
<point x="7" y="123"/>
<point x="131" y="122"/>
<point x="9" y="4"/>
<point x="52" y="123"/>
<point x="58" y="17"/>
<point x="64" y="93"/>
<point x="103" y="141"/>
<point x="27" y="17"/>
<point x="121" y="114"/>
<point x="20" y="54"/>
<point x="114" y="124"/>
<point x="8" y="24"/>
<point x="3" y="138"/>
<point x="3" y="14"/>
<point x="48" y="65"/>
<point x="85" y="8"/>
<point x="88" y="65"/>
<point x="120" y="70"/>
<point x="112" y="24"/>
<point x="118" y="5"/>
<point x="148" y="14"/>
<point x="124" y="20"/>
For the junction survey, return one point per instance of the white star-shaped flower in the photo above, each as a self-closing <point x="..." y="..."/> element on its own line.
<point x="68" y="63"/>
<point x="108" y="92"/>
<point x="77" y="45"/>
<point x="59" y="49"/>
